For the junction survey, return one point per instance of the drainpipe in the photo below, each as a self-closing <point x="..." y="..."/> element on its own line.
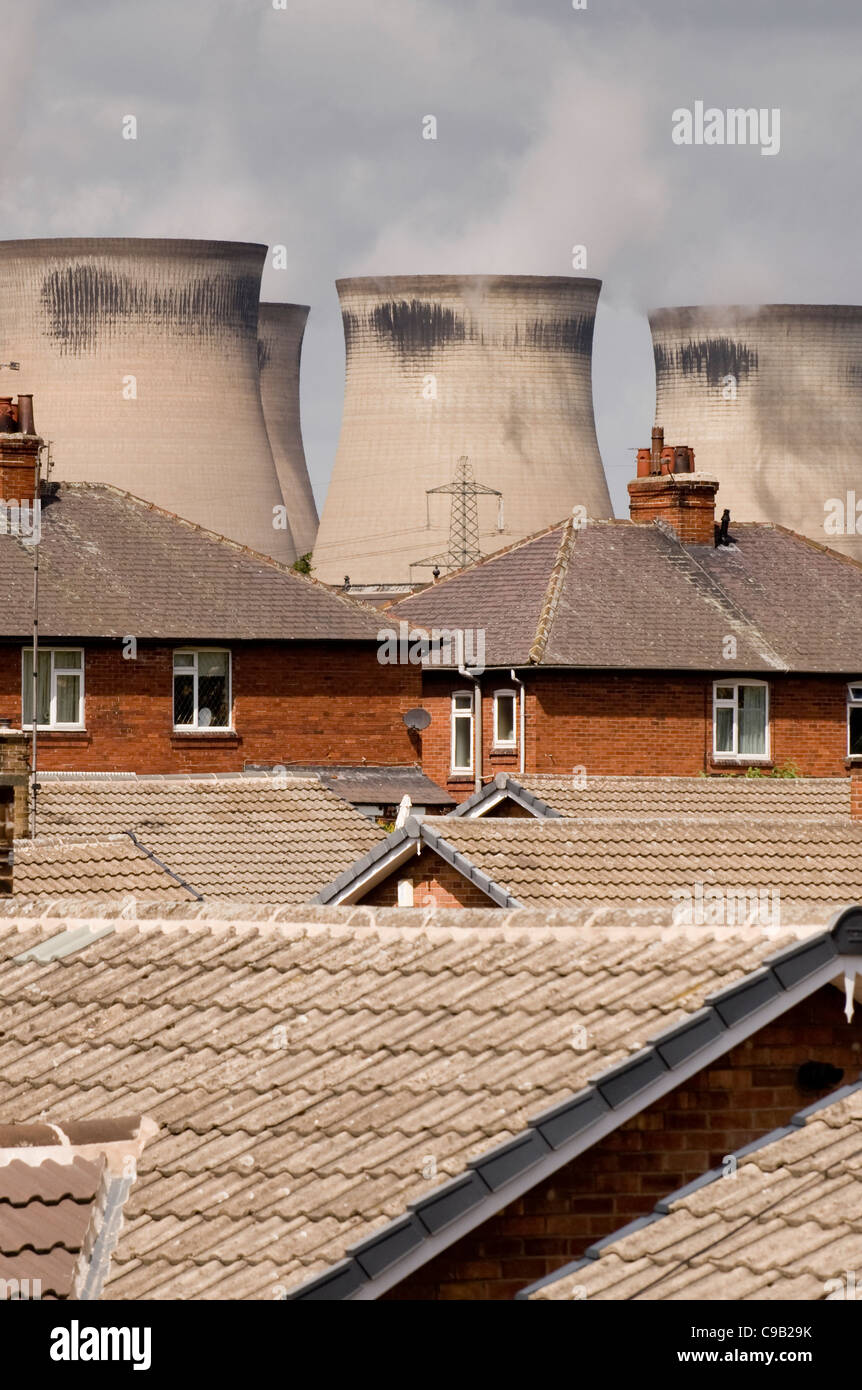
<point x="521" y="719"/>
<point x="477" y="726"/>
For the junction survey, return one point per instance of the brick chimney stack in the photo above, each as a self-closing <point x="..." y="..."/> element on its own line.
<point x="19" y="450"/>
<point x="668" y="489"/>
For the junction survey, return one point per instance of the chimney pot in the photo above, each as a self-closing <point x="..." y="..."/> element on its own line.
<point x="25" y="415"/>
<point x="657" y="448"/>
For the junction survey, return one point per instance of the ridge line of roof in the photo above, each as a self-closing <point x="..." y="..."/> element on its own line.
<point x="553" y="591"/>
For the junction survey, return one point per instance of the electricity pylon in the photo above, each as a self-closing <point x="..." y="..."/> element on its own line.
<point x="464" y="519"/>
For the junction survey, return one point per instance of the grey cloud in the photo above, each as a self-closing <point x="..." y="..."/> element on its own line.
<point x="302" y="127"/>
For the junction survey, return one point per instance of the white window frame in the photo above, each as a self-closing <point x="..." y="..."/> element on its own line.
<point x="196" y="728"/>
<point x="733" y="704"/>
<point x="47" y="653"/>
<point x="853" y="687"/>
<point x="457" y="714"/>
<point x="510" y="745"/>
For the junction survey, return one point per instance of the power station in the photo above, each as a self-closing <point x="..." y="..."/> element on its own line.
<point x="279" y="340"/>
<point x="438" y="367"/>
<point x="770" y="399"/>
<point x="143" y="357"/>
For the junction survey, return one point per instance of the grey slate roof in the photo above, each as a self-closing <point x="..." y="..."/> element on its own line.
<point x="615" y="594"/>
<point x="361" y="785"/>
<point x="111" y="564"/>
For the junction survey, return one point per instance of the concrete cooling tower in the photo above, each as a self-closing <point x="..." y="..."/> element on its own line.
<point x="142" y="357"/>
<point x="496" y="368"/>
<point x="770" y="399"/>
<point x="279" y="343"/>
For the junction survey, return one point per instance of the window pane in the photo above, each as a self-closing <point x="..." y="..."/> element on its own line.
<point x="505" y="718"/>
<point x="856" y="730"/>
<point x="44" y="694"/>
<point x="462" y="742"/>
<point x="212" y="702"/>
<point x="67" y="660"/>
<point x="212" y="663"/>
<point x="724" y="730"/>
<point x="183" y="659"/>
<point x="68" y="688"/>
<point x="752" y="720"/>
<point x="724" y="692"/>
<point x="463" y="701"/>
<point x="184" y="702"/>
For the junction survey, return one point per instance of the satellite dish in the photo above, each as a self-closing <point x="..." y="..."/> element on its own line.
<point x="417" y="718"/>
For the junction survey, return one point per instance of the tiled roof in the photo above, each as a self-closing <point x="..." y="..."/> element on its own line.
<point x="114" y="867"/>
<point x="786" y="1225"/>
<point x="61" y="1197"/>
<point x="311" y="1081"/>
<point x="266" y="840"/>
<point x="811" y="797"/>
<point x="625" y="595"/>
<point x="813" y="864"/>
<point x="803" y="869"/>
<point x="376" y="784"/>
<point x="111" y="564"/>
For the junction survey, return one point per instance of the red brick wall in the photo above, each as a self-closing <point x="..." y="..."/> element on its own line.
<point x="303" y="702"/>
<point x="688" y="507"/>
<point x="435" y="883"/>
<point x="638" y="724"/>
<point x="745" y="1094"/>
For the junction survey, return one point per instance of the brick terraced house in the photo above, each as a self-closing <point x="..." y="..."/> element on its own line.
<point x="165" y="648"/>
<point x="646" y="647"/>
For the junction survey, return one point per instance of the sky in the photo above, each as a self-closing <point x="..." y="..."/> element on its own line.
<point x="302" y="126"/>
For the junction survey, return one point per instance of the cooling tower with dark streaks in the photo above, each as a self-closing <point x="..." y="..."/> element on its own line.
<point x="279" y="342"/>
<point x="497" y="368"/>
<point x="142" y="357"/>
<point x="770" y="399"/>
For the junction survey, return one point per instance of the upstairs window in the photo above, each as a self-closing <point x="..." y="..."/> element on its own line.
<point x="462" y="731"/>
<point x="505" y="717"/>
<point x="202" y="698"/>
<point x="854" y="719"/>
<point x="741" y="719"/>
<point x="60" y="688"/>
